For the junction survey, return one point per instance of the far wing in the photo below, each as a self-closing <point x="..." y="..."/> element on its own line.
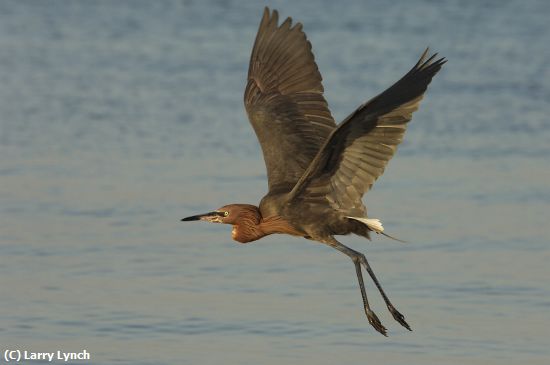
<point x="357" y="152"/>
<point x="284" y="101"/>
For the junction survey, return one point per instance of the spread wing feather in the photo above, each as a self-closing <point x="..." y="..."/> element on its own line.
<point x="284" y="101"/>
<point x="357" y="152"/>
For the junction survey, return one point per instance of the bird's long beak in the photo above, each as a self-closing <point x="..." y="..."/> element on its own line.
<point x="209" y="217"/>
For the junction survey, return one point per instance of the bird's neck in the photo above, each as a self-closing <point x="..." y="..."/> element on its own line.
<point x="247" y="228"/>
<point x="276" y="224"/>
<point x="252" y="226"/>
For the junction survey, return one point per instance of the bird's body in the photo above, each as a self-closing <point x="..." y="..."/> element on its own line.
<point x="318" y="171"/>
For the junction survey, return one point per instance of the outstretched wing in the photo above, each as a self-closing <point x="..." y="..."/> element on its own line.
<point x="284" y="101"/>
<point x="357" y="152"/>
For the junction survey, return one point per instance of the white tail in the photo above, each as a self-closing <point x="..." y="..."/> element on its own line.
<point x="373" y="223"/>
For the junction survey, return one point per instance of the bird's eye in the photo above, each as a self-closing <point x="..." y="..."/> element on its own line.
<point x="225" y="214"/>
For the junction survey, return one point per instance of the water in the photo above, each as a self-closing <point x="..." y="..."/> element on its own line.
<point x="120" y="118"/>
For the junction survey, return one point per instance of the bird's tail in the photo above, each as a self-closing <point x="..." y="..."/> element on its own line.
<point x="375" y="225"/>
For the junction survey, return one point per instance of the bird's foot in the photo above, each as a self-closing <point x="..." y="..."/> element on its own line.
<point x="375" y="322"/>
<point x="398" y="317"/>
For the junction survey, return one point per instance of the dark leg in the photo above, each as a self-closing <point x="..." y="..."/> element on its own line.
<point x="356" y="258"/>
<point x="396" y="315"/>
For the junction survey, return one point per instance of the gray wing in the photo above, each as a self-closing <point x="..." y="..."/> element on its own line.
<point x="357" y="152"/>
<point x="284" y="101"/>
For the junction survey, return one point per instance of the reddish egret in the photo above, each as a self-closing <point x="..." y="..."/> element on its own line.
<point x="318" y="171"/>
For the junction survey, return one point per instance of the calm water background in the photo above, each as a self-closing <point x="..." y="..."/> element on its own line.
<point x="119" y="118"/>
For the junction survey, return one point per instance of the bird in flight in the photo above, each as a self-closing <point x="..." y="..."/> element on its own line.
<point x="318" y="171"/>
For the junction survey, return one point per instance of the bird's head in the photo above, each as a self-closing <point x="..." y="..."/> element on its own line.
<point x="228" y="214"/>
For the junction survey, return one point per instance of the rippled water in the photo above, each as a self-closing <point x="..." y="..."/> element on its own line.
<point x="119" y="118"/>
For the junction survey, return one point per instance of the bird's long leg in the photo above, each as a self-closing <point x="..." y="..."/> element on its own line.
<point x="356" y="258"/>
<point x="396" y="315"/>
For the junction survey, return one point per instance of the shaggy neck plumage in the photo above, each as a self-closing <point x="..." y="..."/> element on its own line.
<point x="247" y="228"/>
<point x="251" y="226"/>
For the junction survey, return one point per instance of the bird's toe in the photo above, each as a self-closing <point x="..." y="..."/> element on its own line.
<point x="375" y="322"/>
<point x="399" y="317"/>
